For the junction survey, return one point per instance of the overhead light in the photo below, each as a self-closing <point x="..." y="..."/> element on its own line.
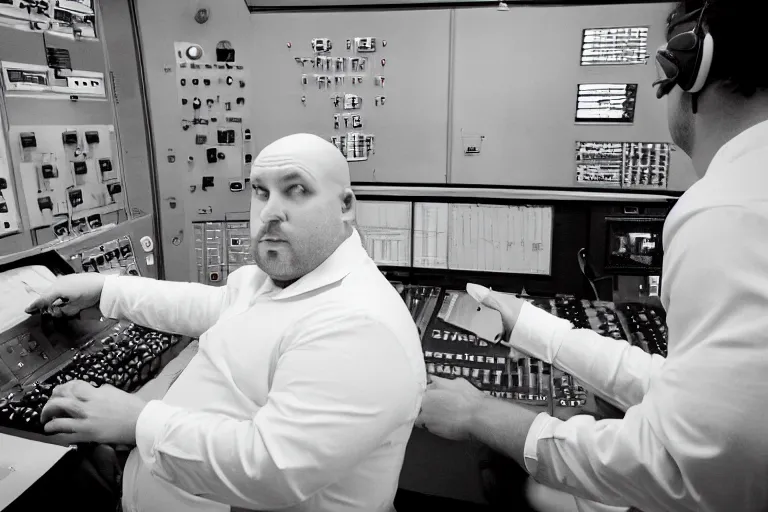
<point x="502" y="7"/>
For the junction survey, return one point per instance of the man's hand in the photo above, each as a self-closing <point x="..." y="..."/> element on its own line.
<point x="448" y="407"/>
<point x="85" y="414"/>
<point x="509" y="308"/>
<point x="69" y="295"/>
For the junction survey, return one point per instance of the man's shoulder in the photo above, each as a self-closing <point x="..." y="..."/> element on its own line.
<point x="728" y="238"/>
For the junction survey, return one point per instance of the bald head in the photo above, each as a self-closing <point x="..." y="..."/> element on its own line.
<point x="302" y="205"/>
<point x="305" y="153"/>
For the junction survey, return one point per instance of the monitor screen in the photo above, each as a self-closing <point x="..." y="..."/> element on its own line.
<point x="606" y="103"/>
<point x="614" y="46"/>
<point x="634" y="243"/>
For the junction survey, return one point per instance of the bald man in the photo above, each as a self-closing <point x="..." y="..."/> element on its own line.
<point x="309" y="374"/>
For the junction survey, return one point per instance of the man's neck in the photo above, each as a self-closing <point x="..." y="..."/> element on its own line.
<point x="733" y="115"/>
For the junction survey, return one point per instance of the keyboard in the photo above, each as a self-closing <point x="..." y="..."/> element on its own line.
<point x="647" y="326"/>
<point x="126" y="358"/>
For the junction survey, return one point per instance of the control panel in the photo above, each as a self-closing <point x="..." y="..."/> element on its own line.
<point x="71" y="19"/>
<point x="212" y="102"/>
<point x="647" y="325"/>
<point x="9" y="218"/>
<point x="220" y="249"/>
<point x="115" y="257"/>
<point x="69" y="174"/>
<point x="124" y="355"/>
<point x="452" y="351"/>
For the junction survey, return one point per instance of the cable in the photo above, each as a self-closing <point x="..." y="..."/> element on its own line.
<point x="581" y="257"/>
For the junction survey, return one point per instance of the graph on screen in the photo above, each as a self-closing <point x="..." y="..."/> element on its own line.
<point x="497" y="238"/>
<point x="385" y="227"/>
<point x="430" y="235"/>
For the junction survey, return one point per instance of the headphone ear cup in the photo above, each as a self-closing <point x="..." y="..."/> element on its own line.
<point x="705" y="66"/>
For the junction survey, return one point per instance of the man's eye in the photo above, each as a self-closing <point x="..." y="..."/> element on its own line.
<point x="296" y="190"/>
<point x="260" y="192"/>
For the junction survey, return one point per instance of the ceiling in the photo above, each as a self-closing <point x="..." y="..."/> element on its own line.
<point x="273" y="5"/>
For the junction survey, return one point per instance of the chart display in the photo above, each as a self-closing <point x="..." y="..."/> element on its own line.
<point x="385" y="227"/>
<point x="497" y="238"/>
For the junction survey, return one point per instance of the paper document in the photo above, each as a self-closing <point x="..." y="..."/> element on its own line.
<point x="461" y="310"/>
<point x="22" y="463"/>
<point x="19" y="288"/>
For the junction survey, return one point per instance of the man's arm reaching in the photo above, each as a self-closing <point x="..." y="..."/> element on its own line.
<point x="182" y="308"/>
<point x="617" y="371"/>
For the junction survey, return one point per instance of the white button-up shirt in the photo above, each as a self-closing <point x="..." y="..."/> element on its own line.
<point x="299" y="399"/>
<point x="695" y="434"/>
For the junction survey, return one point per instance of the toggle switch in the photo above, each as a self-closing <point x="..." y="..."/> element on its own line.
<point x="75" y="197"/>
<point x="69" y="138"/>
<point x="221" y="156"/>
<point x="210" y="154"/>
<point x="207" y="182"/>
<point x="113" y="189"/>
<point x="92" y="137"/>
<point x="183" y="82"/>
<point x="207" y="82"/>
<point x="201" y="139"/>
<point x="230" y="80"/>
<point x="28" y="140"/>
<point x="80" y="168"/>
<point x="94" y="221"/>
<point x="248" y="158"/>
<point x="105" y="165"/>
<point x="184" y="101"/>
<point x="197" y="103"/>
<point x="50" y="172"/>
<point x="195" y="81"/>
<point x="236" y="185"/>
<point x="247" y="134"/>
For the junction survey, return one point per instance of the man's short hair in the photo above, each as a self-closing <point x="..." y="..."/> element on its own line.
<point x="741" y="41"/>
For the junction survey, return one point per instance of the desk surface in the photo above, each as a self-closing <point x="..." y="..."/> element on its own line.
<point x="24" y="461"/>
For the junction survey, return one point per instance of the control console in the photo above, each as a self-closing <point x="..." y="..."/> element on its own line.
<point x="125" y="356"/>
<point x="453" y="350"/>
<point x="647" y="324"/>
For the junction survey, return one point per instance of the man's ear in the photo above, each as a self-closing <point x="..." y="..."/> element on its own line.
<point x="348" y="202"/>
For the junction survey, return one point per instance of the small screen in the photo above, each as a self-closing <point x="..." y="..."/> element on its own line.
<point x="623" y="164"/>
<point x="606" y="103"/>
<point x="614" y="46"/>
<point x="634" y="244"/>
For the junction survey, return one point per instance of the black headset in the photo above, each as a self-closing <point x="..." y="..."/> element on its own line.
<point x="686" y="59"/>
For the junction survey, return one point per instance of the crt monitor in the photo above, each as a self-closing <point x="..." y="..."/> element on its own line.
<point x="634" y="244"/>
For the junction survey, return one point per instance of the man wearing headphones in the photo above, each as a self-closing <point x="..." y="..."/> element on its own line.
<point x="694" y="434"/>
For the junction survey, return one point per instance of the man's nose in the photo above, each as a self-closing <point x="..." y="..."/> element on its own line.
<point x="272" y="211"/>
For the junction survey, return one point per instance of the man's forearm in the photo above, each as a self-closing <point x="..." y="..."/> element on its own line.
<point x="502" y="426"/>
<point x="183" y="308"/>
